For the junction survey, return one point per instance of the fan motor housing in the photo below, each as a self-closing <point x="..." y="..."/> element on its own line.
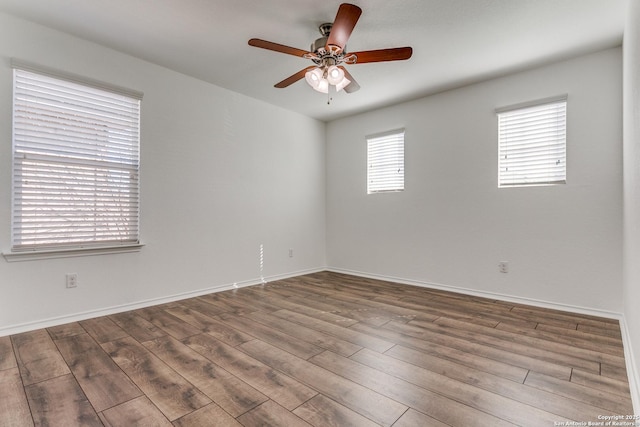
<point x="318" y="44"/>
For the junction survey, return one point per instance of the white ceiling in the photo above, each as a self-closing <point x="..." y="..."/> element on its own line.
<point x="455" y="42"/>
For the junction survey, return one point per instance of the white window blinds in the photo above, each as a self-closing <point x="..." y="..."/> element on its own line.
<point x="385" y="161"/>
<point x="532" y="143"/>
<point x="75" y="164"/>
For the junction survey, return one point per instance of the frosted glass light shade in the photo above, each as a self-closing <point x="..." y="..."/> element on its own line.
<point x="335" y="75"/>
<point x="315" y="80"/>
<point x="345" y="81"/>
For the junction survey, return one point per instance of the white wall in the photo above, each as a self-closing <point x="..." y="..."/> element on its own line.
<point x="632" y="192"/>
<point x="221" y="174"/>
<point x="452" y="225"/>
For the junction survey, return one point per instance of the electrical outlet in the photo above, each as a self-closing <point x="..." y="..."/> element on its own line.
<point x="290" y="253"/>
<point x="503" y="266"/>
<point x="72" y="280"/>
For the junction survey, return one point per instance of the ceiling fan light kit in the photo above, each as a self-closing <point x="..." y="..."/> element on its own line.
<point x="329" y="56"/>
<point x="320" y="78"/>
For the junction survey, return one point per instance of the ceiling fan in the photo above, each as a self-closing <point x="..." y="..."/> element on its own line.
<point x="329" y="56"/>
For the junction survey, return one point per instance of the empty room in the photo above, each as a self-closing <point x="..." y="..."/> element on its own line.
<point x="294" y="213"/>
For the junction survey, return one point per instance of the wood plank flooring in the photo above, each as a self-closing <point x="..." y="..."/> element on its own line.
<point x="324" y="349"/>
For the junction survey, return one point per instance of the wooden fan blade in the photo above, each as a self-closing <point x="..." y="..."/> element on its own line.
<point x="278" y="47"/>
<point x="353" y="86"/>
<point x="294" y="78"/>
<point x="346" y="19"/>
<point x="381" y="55"/>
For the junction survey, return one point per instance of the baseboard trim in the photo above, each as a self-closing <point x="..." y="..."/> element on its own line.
<point x="484" y="294"/>
<point x="632" y="371"/>
<point x="61" y="320"/>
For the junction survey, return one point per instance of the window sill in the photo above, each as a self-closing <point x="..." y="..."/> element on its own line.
<point x="69" y="253"/>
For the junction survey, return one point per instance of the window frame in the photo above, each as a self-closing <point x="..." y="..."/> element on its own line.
<point x="393" y="136"/>
<point x="558" y="143"/>
<point x="25" y="250"/>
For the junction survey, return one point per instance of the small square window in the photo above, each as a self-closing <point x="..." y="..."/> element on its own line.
<point x="532" y="143"/>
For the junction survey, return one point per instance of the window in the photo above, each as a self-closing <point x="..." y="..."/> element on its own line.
<point x="385" y="161"/>
<point x="532" y="143"/>
<point x="75" y="163"/>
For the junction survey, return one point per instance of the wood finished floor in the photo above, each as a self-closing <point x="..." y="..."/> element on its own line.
<point x="323" y="349"/>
